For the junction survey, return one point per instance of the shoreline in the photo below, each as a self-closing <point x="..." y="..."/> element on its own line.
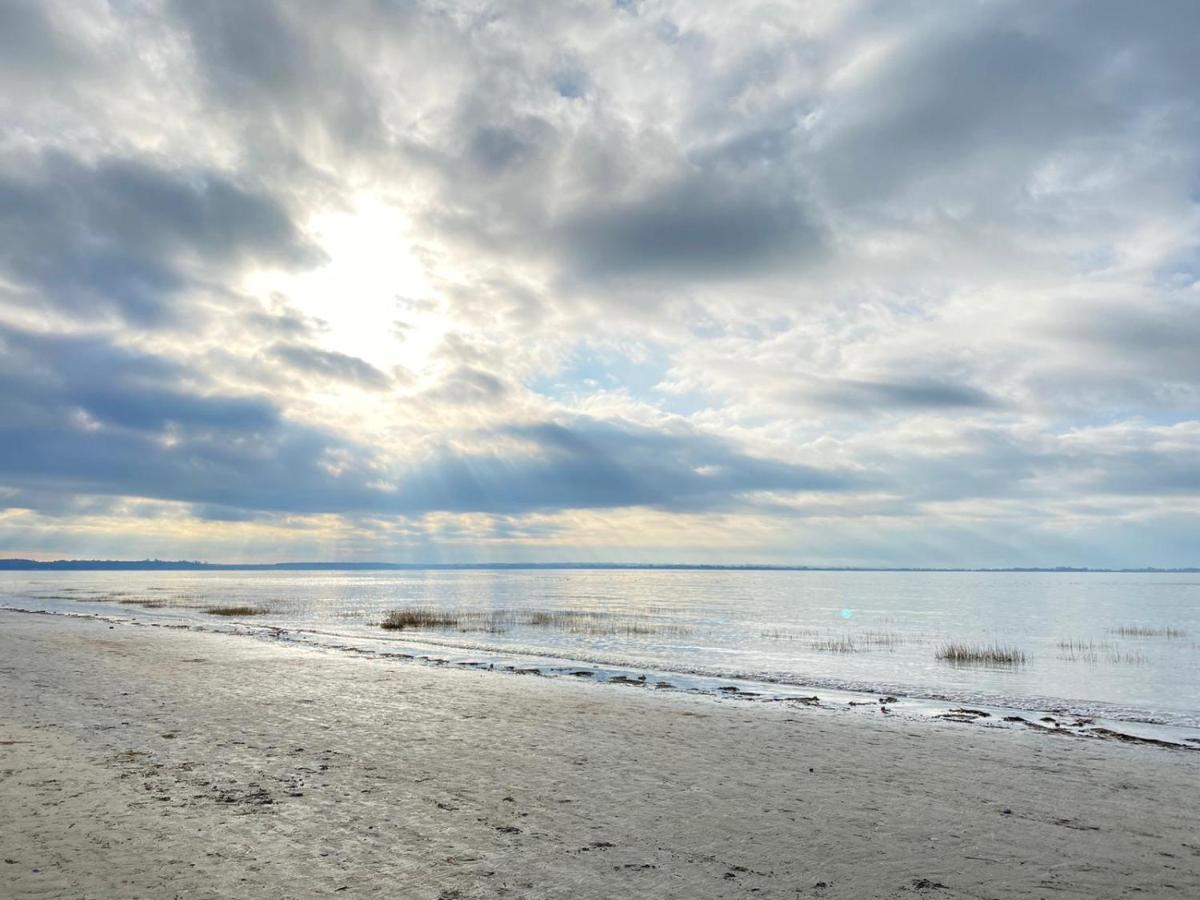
<point x="1054" y="716"/>
<point x="144" y="762"/>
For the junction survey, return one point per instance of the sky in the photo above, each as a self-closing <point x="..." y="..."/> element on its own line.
<point x="854" y="283"/>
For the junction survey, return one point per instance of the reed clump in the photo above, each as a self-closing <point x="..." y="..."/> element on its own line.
<point x="402" y="619"/>
<point x="987" y="654"/>
<point x="235" y="611"/>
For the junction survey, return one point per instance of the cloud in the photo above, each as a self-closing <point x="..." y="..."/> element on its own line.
<point x="144" y="429"/>
<point x="607" y="464"/>
<point x="327" y="364"/>
<point x="868" y="281"/>
<point x="899" y="396"/>
<point x="465" y="385"/>
<point x="149" y="430"/>
<point x="30" y="44"/>
<point x="127" y="236"/>
<point x="704" y="227"/>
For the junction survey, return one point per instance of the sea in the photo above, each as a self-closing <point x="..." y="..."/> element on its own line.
<point x="1076" y="646"/>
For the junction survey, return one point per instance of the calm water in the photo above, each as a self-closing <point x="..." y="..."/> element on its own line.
<point x="783" y="626"/>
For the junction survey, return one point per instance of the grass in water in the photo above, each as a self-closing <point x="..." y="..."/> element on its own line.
<point x="498" y="621"/>
<point x="843" y="644"/>
<point x="988" y="654"/>
<point x="789" y="634"/>
<point x="1078" y="650"/>
<point x="1148" y="631"/>
<point x="401" y="619"/>
<point x="235" y="611"/>
<point x="888" y="640"/>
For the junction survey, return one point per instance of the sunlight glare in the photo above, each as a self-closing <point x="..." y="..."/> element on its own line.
<point x="372" y="295"/>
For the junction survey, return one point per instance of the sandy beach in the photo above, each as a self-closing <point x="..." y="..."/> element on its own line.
<point x="153" y="762"/>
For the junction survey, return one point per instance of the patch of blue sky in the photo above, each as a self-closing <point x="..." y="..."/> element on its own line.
<point x="571" y="83"/>
<point x="589" y="370"/>
<point x="1179" y="271"/>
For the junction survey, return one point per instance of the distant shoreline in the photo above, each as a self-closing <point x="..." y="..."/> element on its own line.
<point x="159" y="565"/>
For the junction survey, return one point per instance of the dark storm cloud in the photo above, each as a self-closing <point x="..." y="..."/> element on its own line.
<point x="123" y="235"/>
<point x="330" y="365"/>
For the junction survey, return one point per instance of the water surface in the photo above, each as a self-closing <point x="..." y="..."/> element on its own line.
<point x="870" y="631"/>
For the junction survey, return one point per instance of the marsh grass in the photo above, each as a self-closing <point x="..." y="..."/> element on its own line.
<point x="840" y="644"/>
<point x="1136" y="658"/>
<point x="499" y="621"/>
<point x="887" y="640"/>
<point x="790" y="634"/>
<point x="1094" y="652"/>
<point x="157" y="601"/>
<point x="402" y="619"/>
<point x="104" y="597"/>
<point x="235" y="611"/>
<point x="833" y="643"/>
<point x="986" y="654"/>
<point x="1075" y="650"/>
<point x="1142" y="631"/>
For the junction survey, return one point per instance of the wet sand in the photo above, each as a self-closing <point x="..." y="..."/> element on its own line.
<point x="151" y="762"/>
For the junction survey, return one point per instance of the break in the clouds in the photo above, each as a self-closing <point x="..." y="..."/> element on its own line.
<point x="858" y="283"/>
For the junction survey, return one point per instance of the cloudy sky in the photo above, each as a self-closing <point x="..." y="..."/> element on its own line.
<point x="826" y="283"/>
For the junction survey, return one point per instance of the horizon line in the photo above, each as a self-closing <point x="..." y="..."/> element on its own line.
<point x="24" y="564"/>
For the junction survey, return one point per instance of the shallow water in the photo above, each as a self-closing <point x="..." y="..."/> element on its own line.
<point x="870" y="631"/>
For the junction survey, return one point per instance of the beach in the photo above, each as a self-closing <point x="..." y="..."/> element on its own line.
<point x="143" y="761"/>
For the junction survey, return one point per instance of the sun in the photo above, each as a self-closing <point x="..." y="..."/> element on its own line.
<point x="372" y="294"/>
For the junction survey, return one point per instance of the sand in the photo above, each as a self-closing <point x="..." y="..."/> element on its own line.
<point x="152" y="762"/>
